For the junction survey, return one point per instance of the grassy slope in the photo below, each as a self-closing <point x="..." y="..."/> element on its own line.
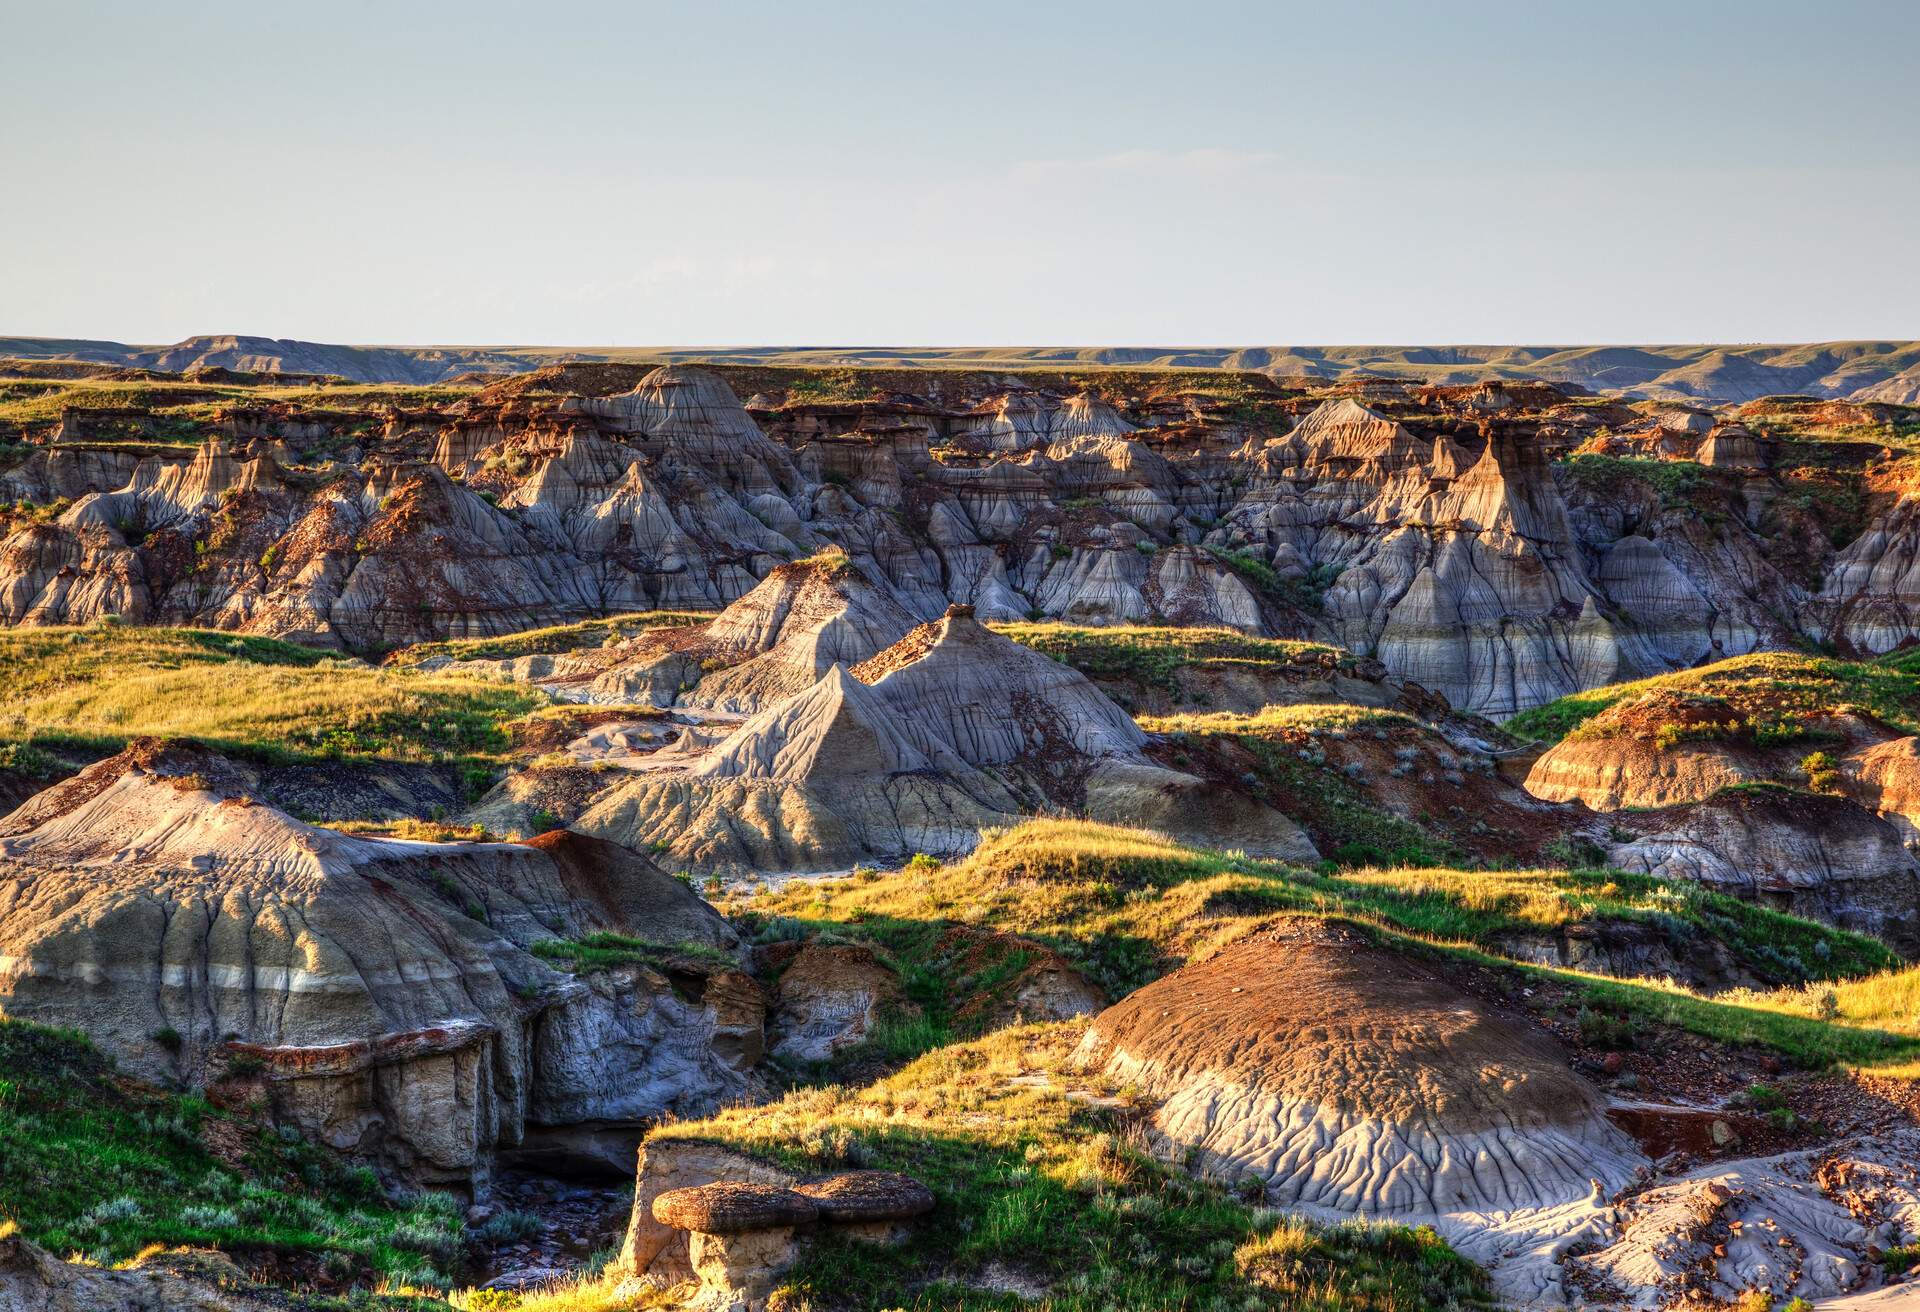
<point x="1154" y="655"/>
<point x="99" y="686"/>
<point x="1765" y="684"/>
<point x="548" y="641"/>
<point x="1125" y="905"/>
<point x="92" y="1165"/>
<point x="1292" y="766"/>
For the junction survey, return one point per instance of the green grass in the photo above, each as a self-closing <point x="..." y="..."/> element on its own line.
<point x="1155" y="656"/>
<point x="1676" y="481"/>
<point x="1295" y="775"/>
<point x="1125" y="905"/>
<point x="97" y="687"/>
<point x="1767" y="687"/>
<point x="1308" y="593"/>
<point x="606" y="951"/>
<point x="548" y="641"/>
<point x="93" y="1166"/>
<point x="1060" y="1193"/>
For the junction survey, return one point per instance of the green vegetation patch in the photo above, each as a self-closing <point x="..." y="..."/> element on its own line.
<point x="1676" y="481"/>
<point x="94" y="1166"/>
<point x="1307" y="593"/>
<point x="608" y="951"/>
<point x="1773" y="689"/>
<point x="1125" y="905"/>
<point x="1155" y="655"/>
<point x="548" y="641"/>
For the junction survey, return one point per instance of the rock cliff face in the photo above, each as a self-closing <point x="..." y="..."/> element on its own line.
<point x="1821" y="857"/>
<point x="381" y="993"/>
<point x="1430" y="528"/>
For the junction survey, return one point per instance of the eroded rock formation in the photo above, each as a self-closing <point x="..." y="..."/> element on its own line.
<point x="381" y="993"/>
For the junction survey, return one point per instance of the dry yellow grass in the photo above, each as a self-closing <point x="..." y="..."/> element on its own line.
<point x="1305" y="717"/>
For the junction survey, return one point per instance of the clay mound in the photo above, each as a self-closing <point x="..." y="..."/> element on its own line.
<point x="836" y="727"/>
<point x="804" y="619"/>
<point x="960" y="687"/>
<point x="387" y="987"/>
<point x="1353" y="1080"/>
<point x="1313" y="1020"/>
<point x="1808" y="854"/>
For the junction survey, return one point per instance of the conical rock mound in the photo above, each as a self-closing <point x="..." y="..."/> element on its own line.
<point x="804" y="619"/>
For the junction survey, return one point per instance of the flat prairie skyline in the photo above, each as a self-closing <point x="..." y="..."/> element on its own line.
<point x="993" y="175"/>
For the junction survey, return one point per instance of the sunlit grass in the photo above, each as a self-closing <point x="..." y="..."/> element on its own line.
<point x="105" y="684"/>
<point x="1761" y="685"/>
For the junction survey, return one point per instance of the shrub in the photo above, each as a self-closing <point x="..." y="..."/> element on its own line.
<point x="1610" y="1033"/>
<point x="1822" y="771"/>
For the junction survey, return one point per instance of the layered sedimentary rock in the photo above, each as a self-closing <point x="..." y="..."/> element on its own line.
<point x="382" y="992"/>
<point x="1821" y="857"/>
<point x="1870" y="602"/>
<point x="1447" y="545"/>
<point x="1349" y="1079"/>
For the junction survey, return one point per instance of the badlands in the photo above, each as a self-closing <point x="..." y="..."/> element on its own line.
<point x="549" y="833"/>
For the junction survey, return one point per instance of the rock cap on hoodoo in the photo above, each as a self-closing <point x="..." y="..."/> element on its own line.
<point x="732" y="1207"/>
<point x="869" y="1196"/>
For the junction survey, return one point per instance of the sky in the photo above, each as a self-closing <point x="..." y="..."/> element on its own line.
<point x="985" y="173"/>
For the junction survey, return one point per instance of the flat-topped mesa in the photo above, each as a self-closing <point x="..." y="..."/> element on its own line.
<point x="384" y="991"/>
<point x="1352" y="1080"/>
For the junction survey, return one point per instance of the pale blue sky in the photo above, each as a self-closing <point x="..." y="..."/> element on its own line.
<point x="979" y="173"/>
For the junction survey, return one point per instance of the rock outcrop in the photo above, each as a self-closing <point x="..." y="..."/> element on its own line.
<point x="1822" y="857"/>
<point x="950" y="730"/>
<point x="1440" y="538"/>
<point x="34" y="1280"/>
<point x="383" y="994"/>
